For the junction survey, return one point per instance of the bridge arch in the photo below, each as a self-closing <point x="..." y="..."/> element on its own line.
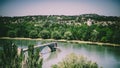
<point x="52" y="46"/>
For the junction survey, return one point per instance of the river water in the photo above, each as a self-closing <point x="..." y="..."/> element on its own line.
<point x="104" y="56"/>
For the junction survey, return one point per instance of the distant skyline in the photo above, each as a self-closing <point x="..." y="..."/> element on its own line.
<point x="59" y="7"/>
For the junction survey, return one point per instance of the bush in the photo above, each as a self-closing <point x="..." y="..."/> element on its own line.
<point x="45" y="34"/>
<point x="12" y="33"/>
<point x="56" y="35"/>
<point x="9" y="56"/>
<point x="33" y="34"/>
<point x="103" y="39"/>
<point x="75" y="61"/>
<point x="34" y="60"/>
<point x="68" y="35"/>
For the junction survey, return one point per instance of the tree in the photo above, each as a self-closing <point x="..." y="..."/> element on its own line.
<point x="86" y="31"/>
<point x="104" y="39"/>
<point x="33" y="34"/>
<point x="94" y="35"/>
<point x="12" y="33"/>
<point x="102" y="33"/>
<point x="45" y="34"/>
<point x="116" y="36"/>
<point x="10" y="58"/>
<point x="34" y="60"/>
<point x="22" y="30"/>
<point x="68" y="35"/>
<point x="109" y="34"/>
<point x="56" y="35"/>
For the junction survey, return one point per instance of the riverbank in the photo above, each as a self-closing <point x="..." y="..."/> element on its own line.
<point x="62" y="40"/>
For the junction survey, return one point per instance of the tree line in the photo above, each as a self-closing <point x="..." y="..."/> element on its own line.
<point x="62" y="27"/>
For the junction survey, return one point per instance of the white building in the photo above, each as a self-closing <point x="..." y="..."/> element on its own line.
<point x="89" y="22"/>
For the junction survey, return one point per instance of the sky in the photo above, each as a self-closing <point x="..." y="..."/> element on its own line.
<point x="59" y="7"/>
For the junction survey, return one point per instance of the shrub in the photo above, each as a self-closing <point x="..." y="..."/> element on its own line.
<point x="45" y="34"/>
<point x="9" y="56"/>
<point x="74" y="61"/>
<point x="56" y="35"/>
<point x="34" y="60"/>
<point x="33" y="34"/>
<point x="68" y="35"/>
<point x="104" y="39"/>
<point x="12" y="33"/>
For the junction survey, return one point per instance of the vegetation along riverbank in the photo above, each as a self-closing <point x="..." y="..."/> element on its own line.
<point x="86" y="27"/>
<point x="63" y="40"/>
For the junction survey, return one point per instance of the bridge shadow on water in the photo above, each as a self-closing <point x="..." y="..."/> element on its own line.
<point x="48" y="55"/>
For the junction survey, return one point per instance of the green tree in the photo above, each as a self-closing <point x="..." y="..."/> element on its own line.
<point x="12" y="33"/>
<point x="34" y="60"/>
<point x="33" y="34"/>
<point x="68" y="35"/>
<point x="22" y="30"/>
<point x="56" y="35"/>
<point x="45" y="34"/>
<point x="10" y="58"/>
<point x="116" y="36"/>
<point x="104" y="39"/>
<point x="86" y="34"/>
<point x="109" y="34"/>
<point x="94" y="35"/>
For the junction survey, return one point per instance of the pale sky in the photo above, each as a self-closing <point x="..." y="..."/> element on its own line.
<point x="59" y="7"/>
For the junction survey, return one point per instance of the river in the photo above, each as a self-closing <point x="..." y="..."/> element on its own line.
<point x="104" y="56"/>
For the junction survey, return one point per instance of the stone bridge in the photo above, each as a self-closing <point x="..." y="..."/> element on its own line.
<point x="52" y="46"/>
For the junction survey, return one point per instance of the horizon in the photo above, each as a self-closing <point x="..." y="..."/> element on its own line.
<point x="55" y="7"/>
<point x="57" y="15"/>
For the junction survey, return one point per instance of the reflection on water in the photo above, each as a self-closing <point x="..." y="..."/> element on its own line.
<point x="53" y="55"/>
<point x="107" y="57"/>
<point x="50" y="58"/>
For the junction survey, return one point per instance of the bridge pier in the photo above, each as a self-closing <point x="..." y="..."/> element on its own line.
<point x="53" y="46"/>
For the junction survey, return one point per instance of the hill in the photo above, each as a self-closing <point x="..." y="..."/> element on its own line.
<point x="87" y="27"/>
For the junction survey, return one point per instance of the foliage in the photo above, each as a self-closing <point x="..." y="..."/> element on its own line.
<point x="11" y="33"/>
<point x="56" y="35"/>
<point x="34" y="60"/>
<point x="45" y="34"/>
<point x="94" y="35"/>
<point x="75" y="61"/>
<point x="68" y="35"/>
<point x="33" y="34"/>
<point x="103" y="28"/>
<point x="9" y="56"/>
